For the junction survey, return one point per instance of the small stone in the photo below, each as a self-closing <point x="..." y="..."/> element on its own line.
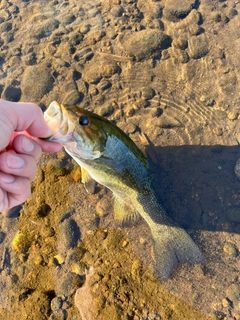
<point x="12" y="94"/>
<point x="130" y="128"/>
<point x="46" y="28"/>
<point x="2" y="236"/>
<point x="104" y="84"/>
<point x="76" y="174"/>
<point x="230" y="249"/>
<point x="225" y="303"/>
<point x="102" y="207"/>
<point x="117" y="11"/>
<point x="105" y="111"/>
<point x="198" y="46"/>
<point x="125" y="243"/>
<point x="38" y="260"/>
<point x="29" y="59"/>
<point x="195" y="30"/>
<point x="147" y="93"/>
<point x="144" y="43"/>
<point x="47" y="231"/>
<point x="129" y="112"/>
<point x="56" y="303"/>
<point x="73" y="98"/>
<point x="156" y="112"/>
<point x="141" y="103"/>
<point x="70" y="234"/>
<point x="175" y="10"/>
<point x="232" y="13"/>
<point x="233" y="292"/>
<point x="59" y="259"/>
<point x="232" y="115"/>
<point x="218" y="131"/>
<point x="85" y="28"/>
<point x="36" y="82"/>
<point x="43" y="210"/>
<point x="180" y="43"/>
<point x="116" y="265"/>
<point x="110" y="69"/>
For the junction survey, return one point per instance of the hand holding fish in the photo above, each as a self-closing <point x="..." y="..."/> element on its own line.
<point x="20" y="149"/>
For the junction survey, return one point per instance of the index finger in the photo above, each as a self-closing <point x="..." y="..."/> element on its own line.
<point x="19" y="117"/>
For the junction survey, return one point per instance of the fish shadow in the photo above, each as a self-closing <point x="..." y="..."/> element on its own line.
<point x="197" y="185"/>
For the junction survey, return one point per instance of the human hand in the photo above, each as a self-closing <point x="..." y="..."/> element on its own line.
<point x="20" y="149"/>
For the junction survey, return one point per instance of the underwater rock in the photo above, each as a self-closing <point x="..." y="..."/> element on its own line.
<point x="175" y="10"/>
<point x="198" y="46"/>
<point x="143" y="43"/>
<point x="37" y="81"/>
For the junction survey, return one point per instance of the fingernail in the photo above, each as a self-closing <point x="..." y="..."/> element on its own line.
<point x="27" y="145"/>
<point x="14" y="162"/>
<point x="7" y="178"/>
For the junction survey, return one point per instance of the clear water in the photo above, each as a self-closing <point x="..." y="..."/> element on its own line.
<point x="168" y="69"/>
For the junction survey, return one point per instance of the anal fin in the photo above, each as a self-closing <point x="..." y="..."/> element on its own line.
<point x="124" y="213"/>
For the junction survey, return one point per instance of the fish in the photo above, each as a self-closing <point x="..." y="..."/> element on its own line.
<point x="108" y="156"/>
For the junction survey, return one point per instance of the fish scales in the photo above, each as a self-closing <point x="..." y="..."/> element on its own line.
<point x="107" y="155"/>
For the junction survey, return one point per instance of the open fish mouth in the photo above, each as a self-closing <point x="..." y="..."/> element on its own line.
<point x="56" y="117"/>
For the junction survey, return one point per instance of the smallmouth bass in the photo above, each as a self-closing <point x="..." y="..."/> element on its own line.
<point x="107" y="155"/>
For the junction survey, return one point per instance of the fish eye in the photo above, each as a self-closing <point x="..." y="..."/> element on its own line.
<point x="83" y="121"/>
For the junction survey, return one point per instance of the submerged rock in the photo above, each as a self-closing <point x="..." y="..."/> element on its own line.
<point x="144" y="43"/>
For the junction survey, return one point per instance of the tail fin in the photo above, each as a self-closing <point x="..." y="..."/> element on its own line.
<point x="173" y="245"/>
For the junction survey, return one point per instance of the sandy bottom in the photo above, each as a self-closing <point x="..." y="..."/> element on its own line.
<point x="168" y="69"/>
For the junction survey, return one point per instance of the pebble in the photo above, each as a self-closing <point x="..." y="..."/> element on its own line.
<point x="36" y="82"/>
<point x="56" y="303"/>
<point x="29" y="59"/>
<point x="46" y="28"/>
<point x="230" y="249"/>
<point x="144" y="43"/>
<point x="104" y="84"/>
<point x="147" y="93"/>
<point x="59" y="315"/>
<point x="180" y="55"/>
<point x="117" y="11"/>
<point x="218" y="131"/>
<point x="102" y="207"/>
<point x="168" y="122"/>
<point x="232" y="13"/>
<point x="141" y="103"/>
<point x="12" y="93"/>
<point x="180" y="43"/>
<point x="70" y="234"/>
<point x="5" y="27"/>
<point x="47" y="231"/>
<point x="2" y="236"/>
<point x="73" y="97"/>
<point x="43" y="210"/>
<point x="233" y="292"/>
<point x="232" y="115"/>
<point x="105" y="111"/>
<point x="110" y="69"/>
<point x="175" y="10"/>
<point x="198" y="46"/>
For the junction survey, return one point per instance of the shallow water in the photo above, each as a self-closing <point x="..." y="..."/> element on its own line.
<point x="168" y="69"/>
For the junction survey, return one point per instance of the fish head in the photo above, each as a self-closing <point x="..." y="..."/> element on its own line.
<point x="80" y="131"/>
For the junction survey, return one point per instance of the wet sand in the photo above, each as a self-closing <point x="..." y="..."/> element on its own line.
<point x="168" y="69"/>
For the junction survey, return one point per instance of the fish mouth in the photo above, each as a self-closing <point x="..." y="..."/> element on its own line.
<point x="56" y="117"/>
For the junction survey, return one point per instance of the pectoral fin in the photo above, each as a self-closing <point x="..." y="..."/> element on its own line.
<point x="88" y="182"/>
<point x="123" y="212"/>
